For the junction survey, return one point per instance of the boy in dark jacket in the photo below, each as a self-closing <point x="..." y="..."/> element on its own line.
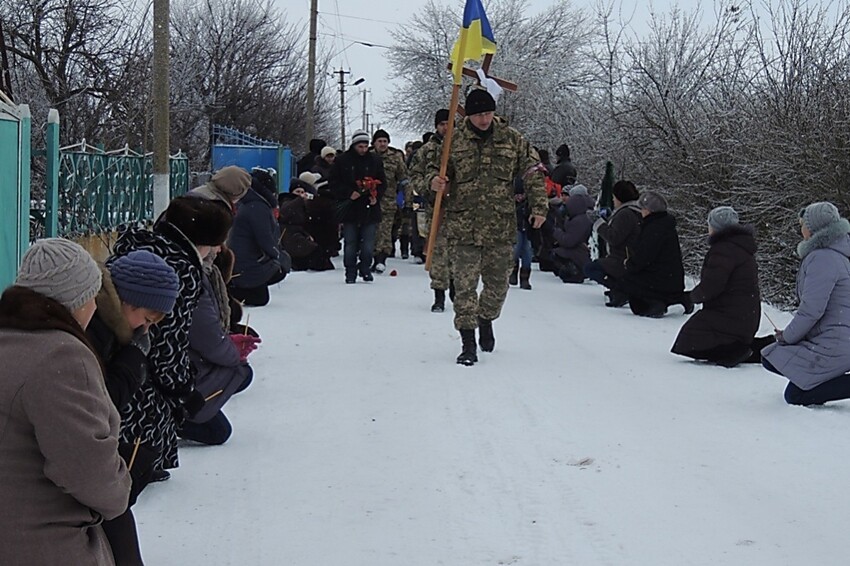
<point x="358" y="183"/>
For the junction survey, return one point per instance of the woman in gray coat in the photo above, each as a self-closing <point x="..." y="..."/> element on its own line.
<point x="813" y="351"/>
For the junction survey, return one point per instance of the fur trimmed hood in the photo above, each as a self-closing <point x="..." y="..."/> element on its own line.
<point x="824" y="238"/>
<point x="109" y="309"/>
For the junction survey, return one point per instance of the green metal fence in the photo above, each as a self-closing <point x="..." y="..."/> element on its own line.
<point x="98" y="191"/>
<point x="15" y="126"/>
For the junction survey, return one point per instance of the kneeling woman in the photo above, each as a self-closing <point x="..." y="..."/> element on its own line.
<point x="812" y="351"/>
<point x="722" y="332"/>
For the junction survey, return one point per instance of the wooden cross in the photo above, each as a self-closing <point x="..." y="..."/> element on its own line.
<point x="485" y="66"/>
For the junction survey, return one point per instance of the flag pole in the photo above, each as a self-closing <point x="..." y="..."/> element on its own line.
<point x="457" y="69"/>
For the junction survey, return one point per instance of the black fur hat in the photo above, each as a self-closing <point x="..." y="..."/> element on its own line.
<point x="203" y="221"/>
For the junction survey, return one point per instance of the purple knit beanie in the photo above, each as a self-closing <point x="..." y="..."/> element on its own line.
<point x="144" y="280"/>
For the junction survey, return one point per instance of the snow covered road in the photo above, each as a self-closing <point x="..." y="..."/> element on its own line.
<point x="580" y="440"/>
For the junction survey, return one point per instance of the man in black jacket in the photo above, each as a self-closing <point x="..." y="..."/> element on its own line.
<point x="565" y="173"/>
<point x="358" y="183"/>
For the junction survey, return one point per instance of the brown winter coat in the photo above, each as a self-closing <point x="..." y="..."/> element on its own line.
<point x="620" y="232"/>
<point x="60" y="472"/>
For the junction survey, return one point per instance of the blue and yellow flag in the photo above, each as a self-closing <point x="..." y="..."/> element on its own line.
<point x="476" y="38"/>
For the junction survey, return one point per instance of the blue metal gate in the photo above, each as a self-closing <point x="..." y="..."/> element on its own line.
<point x="232" y="147"/>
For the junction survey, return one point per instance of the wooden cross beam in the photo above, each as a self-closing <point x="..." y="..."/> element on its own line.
<point x="485" y="66"/>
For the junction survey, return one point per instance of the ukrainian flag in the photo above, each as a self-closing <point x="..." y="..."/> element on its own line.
<point x="476" y="38"/>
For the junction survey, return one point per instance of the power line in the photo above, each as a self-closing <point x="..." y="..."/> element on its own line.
<point x="338" y="15"/>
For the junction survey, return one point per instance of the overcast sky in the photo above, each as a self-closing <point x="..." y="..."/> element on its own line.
<point x="343" y="22"/>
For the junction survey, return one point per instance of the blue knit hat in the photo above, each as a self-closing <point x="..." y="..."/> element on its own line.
<point x="144" y="280"/>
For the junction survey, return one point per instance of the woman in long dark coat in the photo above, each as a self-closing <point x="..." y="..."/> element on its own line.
<point x="722" y="332"/>
<point x="187" y="232"/>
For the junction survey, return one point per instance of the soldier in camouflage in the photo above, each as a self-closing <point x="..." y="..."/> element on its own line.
<point x="480" y="221"/>
<point x="396" y="174"/>
<point x="428" y="153"/>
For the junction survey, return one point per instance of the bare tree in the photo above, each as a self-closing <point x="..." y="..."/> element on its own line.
<point x="240" y="64"/>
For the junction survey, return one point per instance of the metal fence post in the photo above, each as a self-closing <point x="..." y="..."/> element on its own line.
<point x="51" y="220"/>
<point x="24" y="191"/>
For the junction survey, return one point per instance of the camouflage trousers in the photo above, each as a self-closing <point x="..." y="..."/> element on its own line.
<point x="390" y="213"/>
<point x="439" y="272"/>
<point x="491" y="264"/>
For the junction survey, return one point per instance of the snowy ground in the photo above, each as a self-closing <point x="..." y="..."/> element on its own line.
<point x="580" y="440"/>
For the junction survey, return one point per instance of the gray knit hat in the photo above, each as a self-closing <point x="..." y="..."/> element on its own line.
<point x="61" y="270"/>
<point x="578" y="190"/>
<point x="722" y="217"/>
<point x="360" y="136"/>
<point x="652" y="201"/>
<point x="819" y="215"/>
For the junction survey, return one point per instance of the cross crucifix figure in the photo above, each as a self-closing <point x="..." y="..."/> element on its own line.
<point x="485" y="66"/>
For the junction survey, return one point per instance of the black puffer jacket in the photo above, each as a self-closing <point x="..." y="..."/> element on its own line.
<point x="654" y="271"/>
<point x="729" y="292"/>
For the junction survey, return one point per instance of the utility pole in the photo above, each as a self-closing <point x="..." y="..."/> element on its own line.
<point x="161" y="189"/>
<point x="365" y="123"/>
<point x="311" y="71"/>
<point x="342" y="74"/>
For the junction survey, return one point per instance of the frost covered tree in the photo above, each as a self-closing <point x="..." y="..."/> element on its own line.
<point x="237" y="63"/>
<point x="541" y="53"/>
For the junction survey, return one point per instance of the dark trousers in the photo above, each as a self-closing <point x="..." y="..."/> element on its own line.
<point x="256" y="296"/>
<point x="835" y="389"/>
<point x="721" y="353"/>
<point x="359" y="247"/>
<point x="594" y="272"/>
<point x="123" y="539"/>
<point x="213" y="432"/>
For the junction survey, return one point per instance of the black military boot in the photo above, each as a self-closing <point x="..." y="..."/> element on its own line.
<point x="485" y="335"/>
<point x="513" y="279"/>
<point x="469" y="354"/>
<point x="439" y="301"/>
<point x="405" y="246"/>
<point x="524" y="276"/>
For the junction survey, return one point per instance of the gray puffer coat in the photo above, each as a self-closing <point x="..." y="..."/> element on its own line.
<point x="816" y="343"/>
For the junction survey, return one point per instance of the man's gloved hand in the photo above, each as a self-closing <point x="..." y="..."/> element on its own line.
<point x="141" y="340"/>
<point x="245" y="344"/>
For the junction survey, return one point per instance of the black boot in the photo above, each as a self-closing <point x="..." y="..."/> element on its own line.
<point x="513" y="279"/>
<point x="524" y="276"/>
<point x="485" y="335"/>
<point x="405" y="246"/>
<point x="469" y="354"/>
<point x="439" y="301"/>
<point x="617" y="299"/>
<point x="687" y="303"/>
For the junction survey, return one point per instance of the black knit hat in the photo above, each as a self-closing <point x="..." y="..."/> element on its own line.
<point x="563" y="151"/>
<point x="442" y="115"/>
<point x="479" y="100"/>
<point x="625" y="191"/>
<point x="380" y="134"/>
<point x="203" y="221"/>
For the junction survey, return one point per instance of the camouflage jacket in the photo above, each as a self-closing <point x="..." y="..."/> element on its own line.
<point x="480" y="205"/>
<point x="419" y="166"/>
<point x="395" y="171"/>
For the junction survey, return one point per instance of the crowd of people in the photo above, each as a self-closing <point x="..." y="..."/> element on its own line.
<point x="108" y="366"/>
